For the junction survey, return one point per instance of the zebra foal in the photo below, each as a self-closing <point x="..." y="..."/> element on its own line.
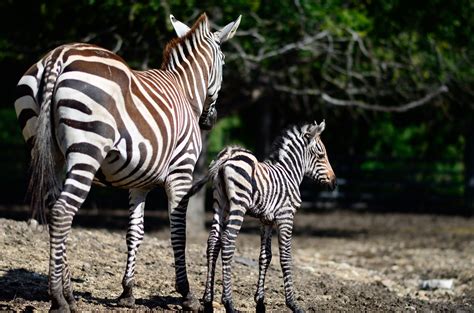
<point x="267" y="190"/>
<point x="89" y="118"/>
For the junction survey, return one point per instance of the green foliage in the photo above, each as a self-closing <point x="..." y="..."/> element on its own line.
<point x="434" y="37"/>
<point x="396" y="147"/>
<point x="225" y="132"/>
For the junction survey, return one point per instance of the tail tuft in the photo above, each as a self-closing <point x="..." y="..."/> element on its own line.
<point x="44" y="186"/>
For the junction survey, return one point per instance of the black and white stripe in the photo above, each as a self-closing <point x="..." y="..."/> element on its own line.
<point x="267" y="190"/>
<point x="89" y="118"/>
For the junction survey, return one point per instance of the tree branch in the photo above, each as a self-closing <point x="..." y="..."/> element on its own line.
<point x="376" y="107"/>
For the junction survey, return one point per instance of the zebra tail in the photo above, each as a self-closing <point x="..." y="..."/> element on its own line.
<point x="44" y="186"/>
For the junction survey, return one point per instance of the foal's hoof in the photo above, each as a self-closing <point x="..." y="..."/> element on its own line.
<point x="297" y="309"/>
<point x="191" y="303"/>
<point x="73" y="307"/>
<point x="71" y="302"/>
<point x="127" y="302"/>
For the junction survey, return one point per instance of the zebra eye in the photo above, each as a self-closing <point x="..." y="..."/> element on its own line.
<point x="320" y="154"/>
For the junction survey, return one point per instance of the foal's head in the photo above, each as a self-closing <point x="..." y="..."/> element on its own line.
<point x="317" y="164"/>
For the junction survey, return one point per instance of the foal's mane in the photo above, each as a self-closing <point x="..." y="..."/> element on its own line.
<point x="279" y="141"/>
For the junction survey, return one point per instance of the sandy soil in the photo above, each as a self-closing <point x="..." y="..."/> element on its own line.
<point x="343" y="261"/>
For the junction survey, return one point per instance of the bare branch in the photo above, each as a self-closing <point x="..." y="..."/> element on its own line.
<point x="287" y="48"/>
<point x="348" y="71"/>
<point x="376" y="107"/>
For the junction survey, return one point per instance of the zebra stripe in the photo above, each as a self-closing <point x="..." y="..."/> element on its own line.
<point x="85" y="113"/>
<point x="268" y="190"/>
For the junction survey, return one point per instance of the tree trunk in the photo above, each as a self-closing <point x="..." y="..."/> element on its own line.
<point x="196" y="208"/>
<point x="469" y="168"/>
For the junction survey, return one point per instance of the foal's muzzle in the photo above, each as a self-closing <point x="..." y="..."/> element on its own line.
<point x="332" y="184"/>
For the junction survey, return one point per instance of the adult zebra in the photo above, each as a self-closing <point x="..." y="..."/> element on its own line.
<point x="89" y="118"/>
<point x="268" y="190"/>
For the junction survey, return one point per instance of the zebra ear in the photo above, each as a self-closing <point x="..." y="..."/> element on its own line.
<point x="321" y="127"/>
<point x="315" y="130"/>
<point x="229" y="30"/>
<point x="180" y="28"/>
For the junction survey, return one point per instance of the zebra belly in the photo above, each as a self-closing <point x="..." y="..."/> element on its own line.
<point x="137" y="168"/>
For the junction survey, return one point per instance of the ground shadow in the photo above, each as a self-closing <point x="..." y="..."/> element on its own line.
<point x="23" y="284"/>
<point x="156" y="302"/>
<point x="162" y="302"/>
<point x="252" y="226"/>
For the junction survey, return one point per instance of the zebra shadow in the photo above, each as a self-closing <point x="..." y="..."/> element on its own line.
<point x="23" y="285"/>
<point x="19" y="286"/>
<point x="252" y="226"/>
<point x="157" y="302"/>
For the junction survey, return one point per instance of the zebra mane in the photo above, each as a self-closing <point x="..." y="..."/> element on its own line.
<point x="173" y="43"/>
<point x="281" y="142"/>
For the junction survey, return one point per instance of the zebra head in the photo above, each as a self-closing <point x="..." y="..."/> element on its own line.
<point x="318" y="167"/>
<point x="212" y="43"/>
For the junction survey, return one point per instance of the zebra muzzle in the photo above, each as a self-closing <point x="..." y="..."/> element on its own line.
<point x="207" y="121"/>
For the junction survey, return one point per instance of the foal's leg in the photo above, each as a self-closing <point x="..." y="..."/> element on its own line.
<point x="264" y="261"/>
<point x="232" y="228"/>
<point x="214" y="245"/>
<point x="134" y="239"/>
<point x="285" y="228"/>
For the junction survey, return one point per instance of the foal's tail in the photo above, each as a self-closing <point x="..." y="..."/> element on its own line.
<point x="214" y="167"/>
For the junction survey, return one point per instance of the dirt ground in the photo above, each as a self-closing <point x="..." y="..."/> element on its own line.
<point x="343" y="261"/>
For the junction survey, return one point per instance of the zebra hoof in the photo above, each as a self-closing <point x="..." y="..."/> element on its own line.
<point x="229" y="307"/>
<point x="71" y="301"/>
<point x="128" y="302"/>
<point x="260" y="306"/>
<point x="191" y="303"/>
<point x="59" y="304"/>
<point x="60" y="309"/>
<point x="207" y="307"/>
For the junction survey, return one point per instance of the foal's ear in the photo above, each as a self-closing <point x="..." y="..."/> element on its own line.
<point x="180" y="28"/>
<point x="315" y="130"/>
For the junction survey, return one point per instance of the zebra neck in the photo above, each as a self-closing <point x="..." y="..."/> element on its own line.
<point x="187" y="61"/>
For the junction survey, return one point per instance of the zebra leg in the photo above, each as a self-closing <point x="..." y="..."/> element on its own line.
<point x="264" y="261"/>
<point x="176" y="189"/>
<point x="76" y="187"/>
<point x="229" y="235"/>
<point x="285" y="228"/>
<point x="134" y="239"/>
<point x="67" y="286"/>
<point x="213" y="247"/>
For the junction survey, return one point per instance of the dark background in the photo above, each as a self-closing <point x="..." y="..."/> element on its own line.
<point x="394" y="81"/>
